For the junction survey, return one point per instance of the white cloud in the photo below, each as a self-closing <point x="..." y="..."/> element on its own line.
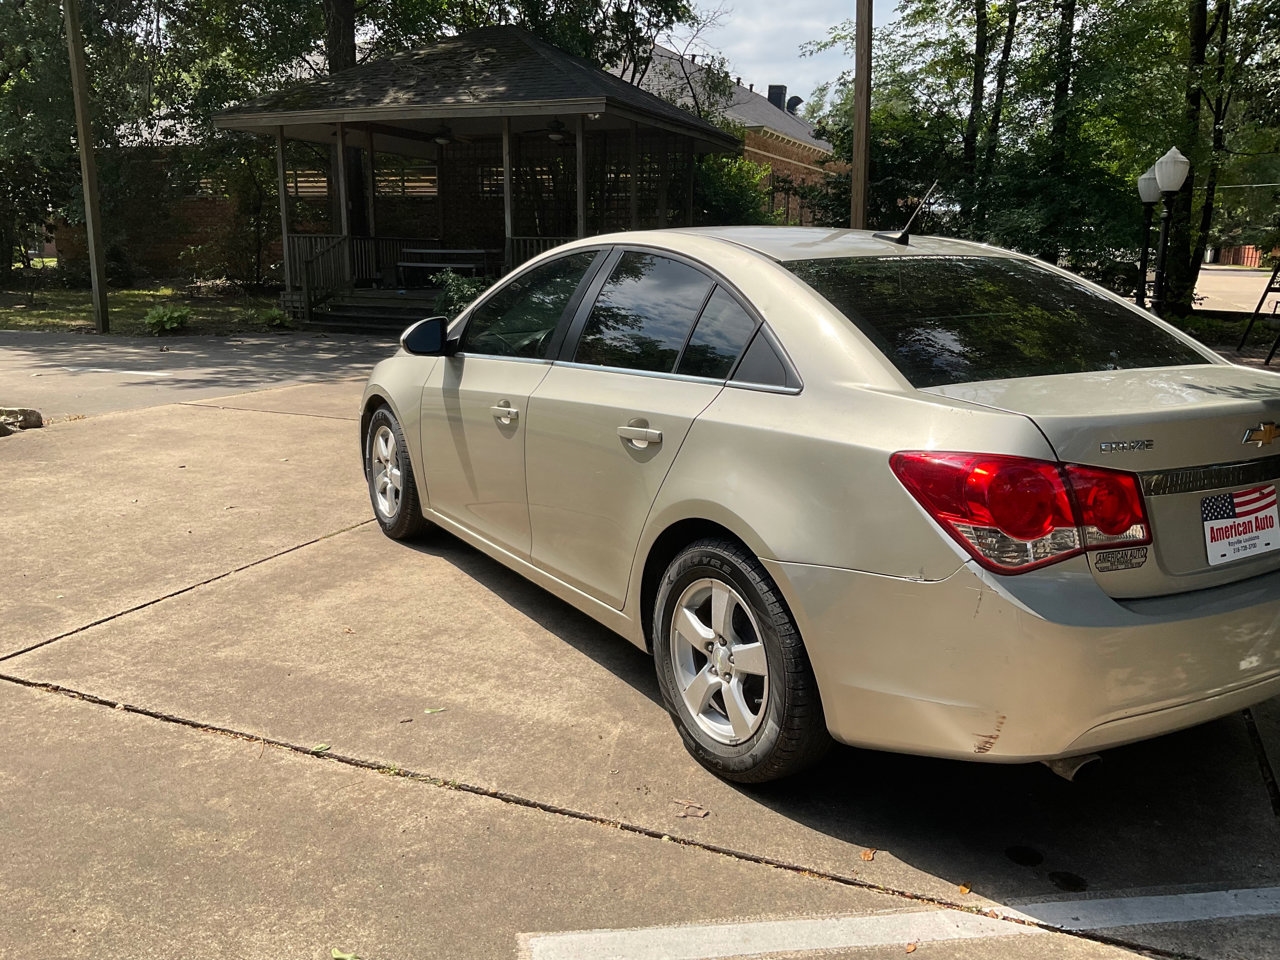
<point x="761" y="40"/>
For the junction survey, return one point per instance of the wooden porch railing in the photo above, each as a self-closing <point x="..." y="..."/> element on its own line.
<point x="326" y="265"/>
<point x="521" y="249"/>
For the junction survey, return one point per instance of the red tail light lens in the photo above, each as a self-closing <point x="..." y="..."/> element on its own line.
<point x="1014" y="514"/>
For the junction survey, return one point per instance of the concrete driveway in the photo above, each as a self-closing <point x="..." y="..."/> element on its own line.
<point x="242" y="723"/>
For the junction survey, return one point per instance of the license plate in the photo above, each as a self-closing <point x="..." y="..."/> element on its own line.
<point x="1241" y="524"/>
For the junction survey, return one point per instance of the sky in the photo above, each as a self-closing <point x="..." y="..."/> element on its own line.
<point x="762" y="38"/>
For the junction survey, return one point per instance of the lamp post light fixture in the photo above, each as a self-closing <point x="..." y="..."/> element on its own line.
<point x="1170" y="173"/>
<point x="1149" y="192"/>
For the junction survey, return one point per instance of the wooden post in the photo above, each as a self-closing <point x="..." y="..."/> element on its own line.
<point x="859" y="174"/>
<point x="579" y="131"/>
<point x="282" y="184"/>
<point x="344" y="203"/>
<point x="635" y="175"/>
<point x="688" y="145"/>
<point x="88" y="168"/>
<point x="344" y="199"/>
<point x="508" y="217"/>
<point x="371" y="186"/>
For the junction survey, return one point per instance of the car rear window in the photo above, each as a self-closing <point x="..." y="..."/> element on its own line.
<point x="944" y="320"/>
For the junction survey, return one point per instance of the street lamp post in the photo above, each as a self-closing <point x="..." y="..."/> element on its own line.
<point x="1149" y="191"/>
<point x="1170" y="172"/>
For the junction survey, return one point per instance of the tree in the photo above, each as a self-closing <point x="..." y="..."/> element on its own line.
<point x="1037" y="118"/>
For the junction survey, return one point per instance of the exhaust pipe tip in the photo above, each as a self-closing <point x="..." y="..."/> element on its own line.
<point x="1068" y="767"/>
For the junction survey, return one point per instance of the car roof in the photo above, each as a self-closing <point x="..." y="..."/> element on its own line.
<point x="785" y="244"/>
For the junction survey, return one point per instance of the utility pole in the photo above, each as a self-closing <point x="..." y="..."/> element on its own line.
<point x="88" y="170"/>
<point x="859" y="174"/>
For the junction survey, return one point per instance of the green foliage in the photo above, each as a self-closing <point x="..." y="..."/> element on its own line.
<point x="729" y="190"/>
<point x="166" y="319"/>
<point x="1045" y="161"/>
<point x="268" y="317"/>
<point x="457" y="291"/>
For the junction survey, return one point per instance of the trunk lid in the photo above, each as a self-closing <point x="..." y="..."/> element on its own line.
<point x="1197" y="436"/>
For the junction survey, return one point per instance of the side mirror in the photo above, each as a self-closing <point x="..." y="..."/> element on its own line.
<point x="425" y="338"/>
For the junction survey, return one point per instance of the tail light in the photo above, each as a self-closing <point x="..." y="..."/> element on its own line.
<point x="1014" y="514"/>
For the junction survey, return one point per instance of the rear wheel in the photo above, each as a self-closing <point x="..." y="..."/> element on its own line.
<point x="392" y="491"/>
<point x="732" y="668"/>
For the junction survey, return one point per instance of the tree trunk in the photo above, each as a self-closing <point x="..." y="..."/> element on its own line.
<point x="1221" y="104"/>
<point x="1059" y="125"/>
<point x="976" y="95"/>
<point x="340" y="54"/>
<point x="1002" y="78"/>
<point x="340" y="34"/>
<point x="1180" y="272"/>
<point x="8" y="241"/>
<point x="992" y="133"/>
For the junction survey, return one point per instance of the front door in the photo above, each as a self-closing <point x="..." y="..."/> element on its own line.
<point x="475" y="404"/>
<point x="607" y="422"/>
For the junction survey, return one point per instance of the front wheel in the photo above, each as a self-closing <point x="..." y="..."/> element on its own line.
<point x="390" y="474"/>
<point x="732" y="668"/>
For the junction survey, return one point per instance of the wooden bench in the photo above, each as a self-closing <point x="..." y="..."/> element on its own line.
<point x="473" y="262"/>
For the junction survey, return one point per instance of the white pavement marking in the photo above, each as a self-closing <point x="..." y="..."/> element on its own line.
<point x="705" y="942"/>
<point x="127" y="373"/>
<point x="1137" y="911"/>
<point x="709" y="941"/>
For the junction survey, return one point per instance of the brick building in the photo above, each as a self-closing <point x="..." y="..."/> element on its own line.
<point x="773" y="134"/>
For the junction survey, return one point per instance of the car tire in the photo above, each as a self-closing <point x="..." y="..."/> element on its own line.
<point x="732" y="668"/>
<point x="392" y="490"/>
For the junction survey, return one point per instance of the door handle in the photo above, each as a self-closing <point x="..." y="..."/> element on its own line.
<point x="505" y="412"/>
<point x="640" y="436"/>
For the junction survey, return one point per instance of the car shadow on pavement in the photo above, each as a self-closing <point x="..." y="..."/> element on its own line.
<point x="600" y="644"/>
<point x="1187" y="809"/>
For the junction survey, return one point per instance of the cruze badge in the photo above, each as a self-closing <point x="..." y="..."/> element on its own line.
<point x="1123" y="446"/>
<point x="1262" y="433"/>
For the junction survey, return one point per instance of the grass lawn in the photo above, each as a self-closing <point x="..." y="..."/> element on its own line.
<point x="71" y="311"/>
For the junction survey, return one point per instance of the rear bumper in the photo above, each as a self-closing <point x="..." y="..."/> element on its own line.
<point x="1011" y="669"/>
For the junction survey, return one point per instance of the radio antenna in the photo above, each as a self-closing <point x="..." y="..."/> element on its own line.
<point x="903" y="236"/>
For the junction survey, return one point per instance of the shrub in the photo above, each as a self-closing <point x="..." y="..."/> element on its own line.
<point x="268" y="317"/>
<point x="166" y="319"/>
<point x="456" y="291"/>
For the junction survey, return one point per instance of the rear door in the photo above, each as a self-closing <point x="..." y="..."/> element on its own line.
<point x="607" y="421"/>
<point x="475" y="404"/>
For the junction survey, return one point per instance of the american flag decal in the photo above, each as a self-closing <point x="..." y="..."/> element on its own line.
<point x="1238" y="505"/>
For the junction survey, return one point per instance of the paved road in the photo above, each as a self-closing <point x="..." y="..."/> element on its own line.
<point x="69" y="375"/>
<point x="240" y="722"/>
<point x="1233" y="288"/>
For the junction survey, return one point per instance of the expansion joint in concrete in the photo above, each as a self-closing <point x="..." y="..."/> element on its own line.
<point x="1264" y="763"/>
<point x="181" y="590"/>
<point x="512" y="799"/>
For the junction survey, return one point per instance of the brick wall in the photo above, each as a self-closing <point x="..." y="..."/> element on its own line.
<point x="789" y="160"/>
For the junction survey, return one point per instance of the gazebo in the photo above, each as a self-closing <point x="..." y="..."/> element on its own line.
<point x="474" y="154"/>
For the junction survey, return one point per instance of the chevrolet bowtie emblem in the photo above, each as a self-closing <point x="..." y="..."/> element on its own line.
<point x="1262" y="433"/>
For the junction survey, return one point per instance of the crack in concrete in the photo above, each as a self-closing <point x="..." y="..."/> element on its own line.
<point x="529" y="803"/>
<point x="210" y="405"/>
<point x="1264" y="763"/>
<point x="181" y="590"/>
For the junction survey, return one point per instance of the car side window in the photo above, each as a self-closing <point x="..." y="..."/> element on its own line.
<point x="722" y="333"/>
<point x="520" y="319"/>
<point x="643" y="314"/>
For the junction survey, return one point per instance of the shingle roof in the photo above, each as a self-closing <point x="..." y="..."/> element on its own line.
<point x="481" y="72"/>
<point x="745" y="106"/>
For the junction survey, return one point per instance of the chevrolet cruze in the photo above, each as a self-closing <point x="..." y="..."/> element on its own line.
<point x="924" y="496"/>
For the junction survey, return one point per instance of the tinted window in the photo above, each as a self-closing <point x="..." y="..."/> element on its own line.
<point x="720" y="336"/>
<point x="520" y="319"/>
<point x="642" y="316"/>
<point x="763" y="365"/>
<point x="958" y="319"/>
